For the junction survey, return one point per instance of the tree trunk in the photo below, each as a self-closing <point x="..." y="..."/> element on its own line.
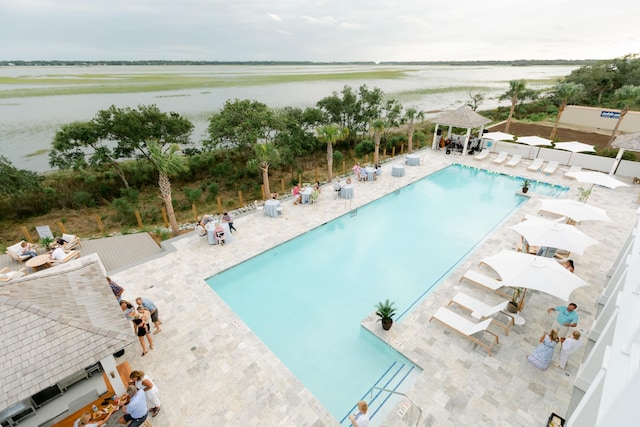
<point x="120" y="173"/>
<point x="514" y="101"/>
<point x="330" y="161"/>
<point x="555" y="126"/>
<point x="265" y="181"/>
<point x="624" y="111"/>
<point x="377" y="151"/>
<point x="410" y="138"/>
<point x="165" y="191"/>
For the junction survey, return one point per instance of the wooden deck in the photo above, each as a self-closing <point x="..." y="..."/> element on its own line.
<point x="116" y="253"/>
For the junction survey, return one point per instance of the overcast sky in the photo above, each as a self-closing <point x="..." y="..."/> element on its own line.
<point x="318" y="30"/>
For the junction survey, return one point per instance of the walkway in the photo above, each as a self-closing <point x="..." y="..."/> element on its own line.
<point x="212" y="370"/>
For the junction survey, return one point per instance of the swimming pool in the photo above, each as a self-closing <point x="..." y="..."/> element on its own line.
<point x="306" y="298"/>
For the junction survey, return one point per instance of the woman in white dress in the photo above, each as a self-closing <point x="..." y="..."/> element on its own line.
<point x="143" y="382"/>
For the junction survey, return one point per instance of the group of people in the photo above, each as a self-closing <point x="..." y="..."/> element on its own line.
<point x="296" y="192"/>
<point x="218" y="230"/>
<point x="140" y="401"/>
<point x="566" y="319"/>
<point x="57" y="250"/>
<point x="361" y="173"/>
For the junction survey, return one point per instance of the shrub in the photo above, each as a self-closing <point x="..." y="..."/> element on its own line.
<point x="131" y="195"/>
<point x="613" y="152"/>
<point x="338" y="158"/>
<point x="365" y="146"/>
<point x="193" y="195"/>
<point x="125" y="212"/>
<point x="83" y="199"/>
<point x="214" y="190"/>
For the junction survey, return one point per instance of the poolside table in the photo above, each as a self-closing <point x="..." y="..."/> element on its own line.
<point x="413" y="160"/>
<point x="397" y="170"/>
<point x="211" y="238"/>
<point x="271" y="208"/>
<point x="306" y="195"/>
<point x="370" y="173"/>
<point x="346" y="192"/>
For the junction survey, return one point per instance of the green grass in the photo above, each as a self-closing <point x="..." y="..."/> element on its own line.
<point x="130" y="83"/>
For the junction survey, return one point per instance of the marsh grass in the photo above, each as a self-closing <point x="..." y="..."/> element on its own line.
<point x="132" y="83"/>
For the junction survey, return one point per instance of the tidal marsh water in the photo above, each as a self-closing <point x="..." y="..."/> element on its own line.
<point x="36" y="101"/>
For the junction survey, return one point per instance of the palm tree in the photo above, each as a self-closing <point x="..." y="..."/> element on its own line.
<point x="567" y="92"/>
<point x="378" y="127"/>
<point x="411" y="115"/>
<point x="266" y="154"/>
<point x="168" y="164"/>
<point x="627" y="95"/>
<point x="517" y="91"/>
<point x="330" y="134"/>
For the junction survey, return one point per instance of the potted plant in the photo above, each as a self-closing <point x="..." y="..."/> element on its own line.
<point x="45" y="242"/>
<point x="386" y="311"/>
<point x="513" y="305"/>
<point x="525" y="185"/>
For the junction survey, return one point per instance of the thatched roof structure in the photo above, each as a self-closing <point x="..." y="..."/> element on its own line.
<point x="629" y="141"/>
<point x="463" y="117"/>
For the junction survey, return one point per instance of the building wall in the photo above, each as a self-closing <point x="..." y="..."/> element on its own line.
<point x="603" y="119"/>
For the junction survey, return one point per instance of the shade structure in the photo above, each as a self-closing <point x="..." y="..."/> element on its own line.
<point x="575" y="147"/>
<point x="629" y="141"/>
<point x="497" y="136"/>
<point x="533" y="140"/>
<point x="597" y="178"/>
<point x="554" y="235"/>
<point x="534" y="272"/>
<point x="463" y="117"/>
<point x="575" y="210"/>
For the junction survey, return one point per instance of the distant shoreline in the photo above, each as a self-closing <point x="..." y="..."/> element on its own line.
<point x="515" y="63"/>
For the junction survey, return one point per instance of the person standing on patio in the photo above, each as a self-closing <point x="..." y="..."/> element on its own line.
<point x="570" y="346"/>
<point x="149" y="305"/>
<point x="226" y="217"/>
<point x="542" y="355"/>
<point x="567" y="318"/>
<point x="117" y="290"/>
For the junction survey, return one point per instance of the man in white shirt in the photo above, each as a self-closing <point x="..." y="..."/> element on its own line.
<point x="569" y="346"/>
<point x="58" y="254"/>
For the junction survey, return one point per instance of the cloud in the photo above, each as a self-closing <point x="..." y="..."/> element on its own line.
<point x="324" y="20"/>
<point x="274" y="17"/>
<point x="283" y="32"/>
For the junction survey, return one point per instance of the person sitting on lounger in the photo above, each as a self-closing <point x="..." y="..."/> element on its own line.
<point x="58" y="254"/>
<point x="27" y="249"/>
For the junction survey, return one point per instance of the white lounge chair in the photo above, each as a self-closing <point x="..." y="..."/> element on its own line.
<point x="70" y="255"/>
<point x="6" y="275"/>
<point x="515" y="159"/>
<point x="15" y="252"/>
<point x="551" y="167"/>
<point x="480" y="310"/>
<point x="72" y="241"/>
<point x="536" y="165"/>
<point x="502" y="156"/>
<point x="465" y="327"/>
<point x="485" y="281"/>
<point x="483" y="154"/>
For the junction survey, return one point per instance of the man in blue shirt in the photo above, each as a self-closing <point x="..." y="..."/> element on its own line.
<point x="149" y="305"/>
<point x="567" y="318"/>
<point x="136" y="410"/>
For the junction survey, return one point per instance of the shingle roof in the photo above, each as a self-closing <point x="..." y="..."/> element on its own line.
<point x="55" y="323"/>
<point x="630" y="141"/>
<point x="463" y="117"/>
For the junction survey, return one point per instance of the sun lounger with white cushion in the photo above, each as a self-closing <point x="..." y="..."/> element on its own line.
<point x="536" y="165"/>
<point x="502" y="156"/>
<point x="485" y="281"/>
<point x="70" y="255"/>
<point x="6" y="275"/>
<point x="551" y="167"/>
<point x="572" y="169"/>
<point x="480" y="310"/>
<point x="465" y="327"/>
<point x="515" y="159"/>
<point x="483" y="155"/>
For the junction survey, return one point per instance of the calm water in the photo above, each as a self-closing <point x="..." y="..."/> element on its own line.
<point x="27" y="125"/>
<point x="306" y="298"/>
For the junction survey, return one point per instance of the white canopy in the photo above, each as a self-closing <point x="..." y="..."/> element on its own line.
<point x="533" y="140"/>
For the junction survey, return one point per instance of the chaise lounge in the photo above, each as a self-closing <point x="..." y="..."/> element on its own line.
<point x="502" y="156"/>
<point x="483" y="154"/>
<point x="536" y="165"/>
<point x="515" y="159"/>
<point x="480" y="310"/>
<point x="551" y="168"/>
<point x="14" y="251"/>
<point x="6" y="275"/>
<point x="465" y="327"/>
<point x="485" y="281"/>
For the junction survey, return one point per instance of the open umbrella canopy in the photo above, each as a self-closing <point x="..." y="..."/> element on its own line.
<point x="575" y="147"/>
<point x="597" y="178"/>
<point x="497" y="136"/>
<point x="575" y="210"/>
<point x="533" y="140"/>
<point x="554" y="235"/>
<point x="534" y="272"/>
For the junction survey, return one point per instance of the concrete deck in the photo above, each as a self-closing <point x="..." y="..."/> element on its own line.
<point x="212" y="370"/>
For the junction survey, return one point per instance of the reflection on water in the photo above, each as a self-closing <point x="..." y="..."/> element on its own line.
<point x="28" y="124"/>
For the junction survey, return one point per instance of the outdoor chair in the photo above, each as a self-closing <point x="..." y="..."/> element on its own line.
<point x="502" y="156"/>
<point x="6" y="275"/>
<point x="536" y="165"/>
<point x="14" y="251"/>
<point x="515" y="159"/>
<point x="72" y="241"/>
<point x="551" y="168"/>
<point x="486" y="282"/>
<point x="70" y="255"/>
<point x="479" y="310"/>
<point x="466" y="327"/>
<point x="483" y="154"/>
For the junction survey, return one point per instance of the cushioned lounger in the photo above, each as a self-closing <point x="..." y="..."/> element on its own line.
<point x="485" y="281"/>
<point x="502" y="156"/>
<point x="536" y="165"/>
<point x="466" y="327"/>
<point x="483" y="155"/>
<point x="480" y="310"/>
<point x="515" y="159"/>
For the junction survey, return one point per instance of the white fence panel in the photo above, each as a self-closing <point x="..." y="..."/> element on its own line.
<point x="628" y="168"/>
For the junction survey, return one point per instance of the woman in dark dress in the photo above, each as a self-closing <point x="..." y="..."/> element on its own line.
<point x="141" y="325"/>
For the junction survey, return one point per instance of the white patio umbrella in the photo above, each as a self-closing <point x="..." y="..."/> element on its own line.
<point x="575" y="147"/>
<point x="554" y="235"/>
<point x="534" y="272"/>
<point x="533" y="141"/>
<point x="597" y="178"/>
<point x="497" y="136"/>
<point x="575" y="210"/>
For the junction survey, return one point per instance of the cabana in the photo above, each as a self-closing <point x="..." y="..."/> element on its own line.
<point x="463" y="117"/>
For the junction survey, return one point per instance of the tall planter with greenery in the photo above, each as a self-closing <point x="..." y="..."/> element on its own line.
<point x="385" y="310"/>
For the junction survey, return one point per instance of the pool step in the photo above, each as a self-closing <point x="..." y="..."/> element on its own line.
<point x="396" y="378"/>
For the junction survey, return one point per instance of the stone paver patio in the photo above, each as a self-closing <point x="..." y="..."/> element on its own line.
<point x="213" y="371"/>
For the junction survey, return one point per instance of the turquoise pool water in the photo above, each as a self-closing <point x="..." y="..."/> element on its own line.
<point x="306" y="298"/>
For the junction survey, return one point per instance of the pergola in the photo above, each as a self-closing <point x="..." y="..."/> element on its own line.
<point x="463" y="117"/>
<point x="629" y="141"/>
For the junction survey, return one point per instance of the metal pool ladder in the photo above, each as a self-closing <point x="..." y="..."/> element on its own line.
<point x="404" y="395"/>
